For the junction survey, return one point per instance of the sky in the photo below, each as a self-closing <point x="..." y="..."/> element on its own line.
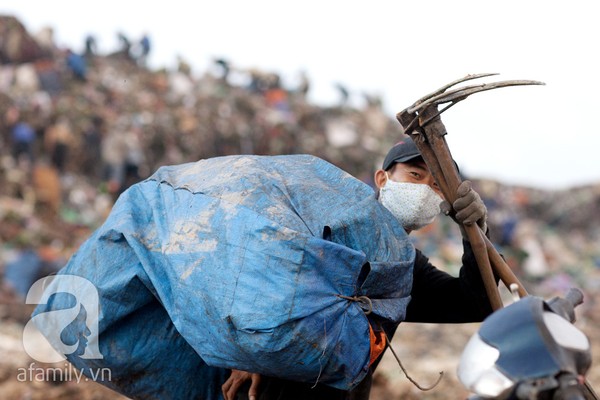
<point x="538" y="136"/>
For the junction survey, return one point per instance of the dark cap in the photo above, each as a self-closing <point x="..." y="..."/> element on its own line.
<point x="403" y="151"/>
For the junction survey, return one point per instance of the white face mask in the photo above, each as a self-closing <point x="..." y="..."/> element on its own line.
<point x="414" y="204"/>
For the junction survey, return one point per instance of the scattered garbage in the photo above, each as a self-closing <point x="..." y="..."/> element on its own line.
<point x="69" y="147"/>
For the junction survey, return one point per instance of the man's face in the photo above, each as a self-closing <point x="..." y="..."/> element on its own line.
<point x="413" y="171"/>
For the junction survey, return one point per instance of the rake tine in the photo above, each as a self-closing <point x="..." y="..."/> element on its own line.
<point x="449" y="85"/>
<point x="462" y="93"/>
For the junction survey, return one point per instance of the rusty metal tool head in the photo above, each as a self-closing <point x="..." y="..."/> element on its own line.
<point x="409" y="117"/>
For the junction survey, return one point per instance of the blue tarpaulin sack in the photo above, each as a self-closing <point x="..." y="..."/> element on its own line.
<point x="243" y="262"/>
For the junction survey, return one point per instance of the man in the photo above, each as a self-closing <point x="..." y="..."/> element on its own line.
<point x="285" y="266"/>
<point x="408" y="190"/>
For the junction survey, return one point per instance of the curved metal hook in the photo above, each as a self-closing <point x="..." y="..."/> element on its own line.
<point x="462" y="93"/>
<point x="409" y="118"/>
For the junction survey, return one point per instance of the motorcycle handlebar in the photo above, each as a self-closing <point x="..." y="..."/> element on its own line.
<point x="574" y="297"/>
<point x="565" y="306"/>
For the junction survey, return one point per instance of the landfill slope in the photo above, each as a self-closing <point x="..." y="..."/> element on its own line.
<point x="94" y="137"/>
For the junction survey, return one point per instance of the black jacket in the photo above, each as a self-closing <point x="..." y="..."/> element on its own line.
<point x="442" y="298"/>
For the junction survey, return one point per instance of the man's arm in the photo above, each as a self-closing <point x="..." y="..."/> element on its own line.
<point x="442" y="298"/>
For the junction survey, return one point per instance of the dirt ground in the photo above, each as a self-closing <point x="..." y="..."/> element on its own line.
<point x="425" y="350"/>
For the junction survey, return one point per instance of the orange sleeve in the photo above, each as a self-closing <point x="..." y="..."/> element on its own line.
<point x="378" y="343"/>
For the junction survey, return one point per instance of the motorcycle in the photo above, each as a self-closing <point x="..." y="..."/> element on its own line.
<point x="529" y="350"/>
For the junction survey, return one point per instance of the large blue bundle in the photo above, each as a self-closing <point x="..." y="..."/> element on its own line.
<point x="239" y="262"/>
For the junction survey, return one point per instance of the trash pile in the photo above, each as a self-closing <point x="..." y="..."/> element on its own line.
<point x="77" y="129"/>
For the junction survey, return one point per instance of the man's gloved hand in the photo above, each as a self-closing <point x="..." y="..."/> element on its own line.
<point x="468" y="208"/>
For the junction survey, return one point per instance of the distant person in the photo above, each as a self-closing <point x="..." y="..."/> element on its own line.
<point x="114" y="152"/>
<point x="23" y="140"/>
<point x="92" y="155"/>
<point x="304" y="85"/>
<point x="125" y="45"/>
<point x="344" y="94"/>
<point x="143" y="50"/>
<point x="58" y="140"/>
<point x="77" y="65"/>
<point x="225" y="68"/>
<point x="23" y="270"/>
<point x="90" y="46"/>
